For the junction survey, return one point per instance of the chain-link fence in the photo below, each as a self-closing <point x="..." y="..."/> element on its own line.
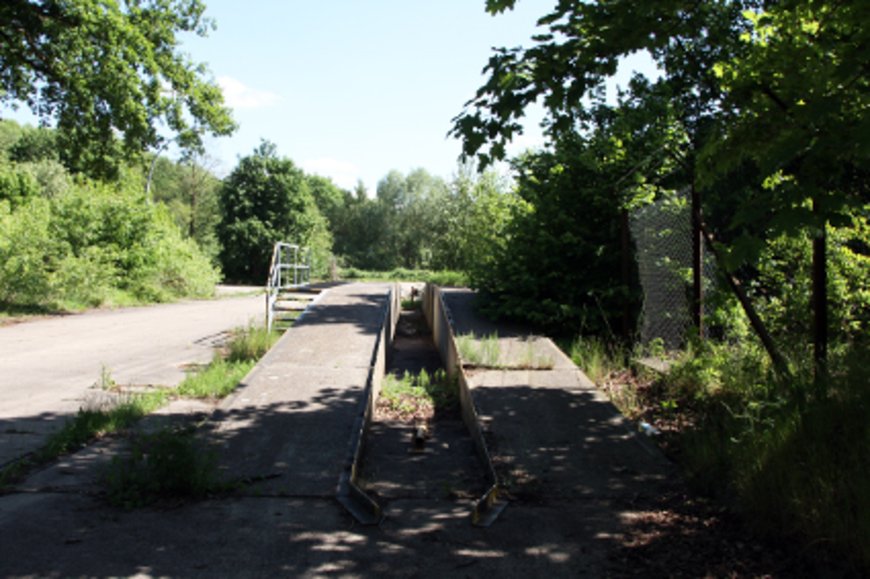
<point x="662" y="233"/>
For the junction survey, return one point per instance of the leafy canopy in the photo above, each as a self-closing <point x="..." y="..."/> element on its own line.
<point x="110" y="74"/>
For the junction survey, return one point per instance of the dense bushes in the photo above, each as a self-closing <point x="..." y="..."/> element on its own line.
<point x="67" y="242"/>
<point x="559" y="265"/>
<point x="91" y="245"/>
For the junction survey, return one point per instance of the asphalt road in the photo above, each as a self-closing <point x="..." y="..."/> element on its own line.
<point x="49" y="367"/>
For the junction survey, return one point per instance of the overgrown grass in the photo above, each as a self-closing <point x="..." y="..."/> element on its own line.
<point x="249" y="344"/>
<point x="90" y="424"/>
<point x="595" y="357"/>
<point x="217" y="380"/>
<point x="530" y="358"/>
<point x="442" y="278"/>
<point x="417" y="396"/>
<point x="793" y="462"/>
<point x="169" y="464"/>
<point x="481" y="351"/>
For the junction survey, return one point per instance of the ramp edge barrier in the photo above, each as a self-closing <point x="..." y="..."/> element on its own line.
<point x="489" y="506"/>
<point x="348" y="492"/>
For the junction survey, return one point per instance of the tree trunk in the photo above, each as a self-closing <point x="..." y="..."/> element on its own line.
<point x="820" y="306"/>
<point x="778" y="360"/>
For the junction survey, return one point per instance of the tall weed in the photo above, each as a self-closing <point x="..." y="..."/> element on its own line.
<point x="795" y="464"/>
<point x="594" y="356"/>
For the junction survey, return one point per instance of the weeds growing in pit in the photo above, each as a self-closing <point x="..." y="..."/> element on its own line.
<point x="417" y="396"/>
<point x="484" y="351"/>
<point x="168" y="464"/>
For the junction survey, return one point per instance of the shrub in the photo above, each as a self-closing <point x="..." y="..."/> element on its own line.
<point x="93" y="244"/>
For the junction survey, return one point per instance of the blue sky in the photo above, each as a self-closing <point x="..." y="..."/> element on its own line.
<point x="351" y="89"/>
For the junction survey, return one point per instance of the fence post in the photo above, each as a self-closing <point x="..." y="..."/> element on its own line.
<point x="697" y="263"/>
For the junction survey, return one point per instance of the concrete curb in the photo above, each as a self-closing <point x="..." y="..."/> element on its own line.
<point x="348" y="492"/>
<point x="487" y="508"/>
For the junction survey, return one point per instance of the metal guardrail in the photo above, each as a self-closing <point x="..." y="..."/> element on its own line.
<point x="289" y="269"/>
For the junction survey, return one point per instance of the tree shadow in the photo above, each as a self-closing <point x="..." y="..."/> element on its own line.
<point x="585" y="477"/>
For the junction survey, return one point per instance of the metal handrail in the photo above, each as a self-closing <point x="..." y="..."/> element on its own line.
<point x="277" y="281"/>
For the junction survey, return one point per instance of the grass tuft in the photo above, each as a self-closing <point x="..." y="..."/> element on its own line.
<point x="217" y="381"/>
<point x="168" y="464"/>
<point x="595" y="357"/>
<point x="479" y="351"/>
<point x="249" y="344"/>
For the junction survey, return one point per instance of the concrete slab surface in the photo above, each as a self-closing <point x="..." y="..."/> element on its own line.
<point x="551" y="433"/>
<point x="272" y="537"/>
<point x="289" y="424"/>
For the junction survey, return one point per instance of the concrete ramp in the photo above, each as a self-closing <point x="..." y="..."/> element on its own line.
<point x="550" y="432"/>
<point x="287" y="430"/>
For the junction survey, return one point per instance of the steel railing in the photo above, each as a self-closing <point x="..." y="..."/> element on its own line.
<point x="290" y="269"/>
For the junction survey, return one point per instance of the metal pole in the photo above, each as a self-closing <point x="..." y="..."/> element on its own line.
<point x="697" y="264"/>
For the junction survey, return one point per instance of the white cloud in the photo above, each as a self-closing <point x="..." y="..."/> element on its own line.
<point x="237" y="95"/>
<point x="342" y="173"/>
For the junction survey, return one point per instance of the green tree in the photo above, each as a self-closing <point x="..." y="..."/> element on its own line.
<point x="265" y="200"/>
<point x="560" y="266"/>
<point x="102" y="68"/>
<point x="771" y="98"/>
<point x="795" y="106"/>
<point x="410" y="207"/>
<point x="469" y="225"/>
<point x="10" y="132"/>
<point x="189" y="189"/>
<point x="330" y="198"/>
<point x="37" y="144"/>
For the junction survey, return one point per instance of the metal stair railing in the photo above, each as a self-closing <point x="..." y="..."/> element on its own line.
<point x="289" y="269"/>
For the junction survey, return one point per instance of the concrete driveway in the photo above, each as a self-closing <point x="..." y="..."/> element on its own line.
<point x="49" y="367"/>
